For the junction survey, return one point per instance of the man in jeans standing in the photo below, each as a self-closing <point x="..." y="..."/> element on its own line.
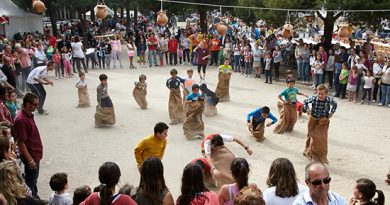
<point x="29" y="141"/>
<point x="25" y="63"/>
<point x="152" y="49"/>
<point x="35" y="81"/>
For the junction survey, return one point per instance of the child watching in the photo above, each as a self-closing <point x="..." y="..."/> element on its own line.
<point x="82" y="87"/>
<point x="368" y="81"/>
<point x="221" y="56"/>
<point x="180" y="54"/>
<point x="248" y="59"/>
<point x="57" y="61"/>
<point x="10" y="102"/>
<point x="59" y="183"/>
<point x="80" y="194"/>
<point x="343" y="78"/>
<point x="226" y="67"/>
<point x="268" y="73"/>
<point x="318" y="70"/>
<point x="352" y="83"/>
<point x="67" y="56"/>
<point x="289" y="75"/>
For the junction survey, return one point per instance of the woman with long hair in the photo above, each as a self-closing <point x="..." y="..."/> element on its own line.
<point x="240" y="170"/>
<point x="78" y="54"/>
<point x="193" y="190"/>
<point x="12" y="185"/>
<point x="109" y="174"/>
<point x="130" y="51"/>
<point x="152" y="189"/>
<point x="364" y="192"/>
<point x="282" y="182"/>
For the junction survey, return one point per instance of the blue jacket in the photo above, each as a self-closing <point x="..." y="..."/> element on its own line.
<point x="256" y="114"/>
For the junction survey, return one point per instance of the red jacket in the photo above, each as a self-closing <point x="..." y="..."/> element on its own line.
<point x="172" y="45"/>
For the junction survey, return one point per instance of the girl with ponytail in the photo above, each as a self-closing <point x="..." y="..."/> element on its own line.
<point x="364" y="193"/>
<point x="240" y="170"/>
<point x="109" y="174"/>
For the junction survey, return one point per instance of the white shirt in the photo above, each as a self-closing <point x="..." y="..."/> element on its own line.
<point x="377" y="69"/>
<point x="38" y="72"/>
<point x="40" y="56"/>
<point x="333" y="199"/>
<point x="77" y="49"/>
<point x="207" y="143"/>
<point x="270" y="197"/>
<point x="81" y="83"/>
<point x="61" y="199"/>
<point x="353" y="60"/>
<point x="368" y="82"/>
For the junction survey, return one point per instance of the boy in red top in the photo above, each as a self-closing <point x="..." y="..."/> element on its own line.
<point x="52" y="40"/>
<point x="172" y="49"/>
<point x="151" y="43"/>
<point x="215" y="44"/>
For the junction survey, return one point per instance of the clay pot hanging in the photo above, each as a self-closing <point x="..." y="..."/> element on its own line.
<point x="287" y="30"/>
<point x="162" y="18"/>
<point x="222" y="29"/>
<point x="38" y="6"/>
<point x="101" y="11"/>
<point x="343" y="31"/>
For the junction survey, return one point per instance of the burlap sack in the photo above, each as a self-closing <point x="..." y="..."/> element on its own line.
<point x="185" y="93"/>
<point x="222" y="90"/>
<point x="258" y="132"/>
<point x="288" y="118"/>
<point x="210" y="110"/>
<point x="83" y="97"/>
<point x="175" y="107"/>
<point x="193" y="125"/>
<point x="317" y="140"/>
<point x="140" y="97"/>
<point x="222" y="159"/>
<point x="104" y="116"/>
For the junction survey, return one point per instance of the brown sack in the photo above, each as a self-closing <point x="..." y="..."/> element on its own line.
<point x="185" y="94"/>
<point x="83" y="97"/>
<point x="140" y="97"/>
<point x="288" y="118"/>
<point x="258" y="133"/>
<point x="210" y="110"/>
<point x="317" y="140"/>
<point x="222" y="159"/>
<point x="175" y="107"/>
<point x="222" y="90"/>
<point x="193" y="125"/>
<point x="104" y="116"/>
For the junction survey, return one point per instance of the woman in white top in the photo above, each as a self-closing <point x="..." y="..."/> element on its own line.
<point x="282" y="182"/>
<point x="116" y="51"/>
<point x="78" y="54"/>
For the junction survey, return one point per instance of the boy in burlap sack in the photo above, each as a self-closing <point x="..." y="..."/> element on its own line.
<point x="219" y="157"/>
<point x="222" y="90"/>
<point x="256" y="122"/>
<point x="211" y="101"/>
<point x="193" y="125"/>
<point x="287" y="108"/>
<point x="140" y="92"/>
<point x="105" y="114"/>
<point x="82" y="88"/>
<point x="322" y="109"/>
<point x="175" y="103"/>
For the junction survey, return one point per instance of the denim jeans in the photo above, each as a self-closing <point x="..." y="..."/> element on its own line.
<point x="31" y="176"/>
<point x="236" y="63"/>
<point x="318" y="79"/>
<point x="336" y="81"/>
<point x="40" y="91"/>
<point x="268" y="76"/>
<point x="25" y="73"/>
<point x="300" y="69"/>
<point x="385" y="94"/>
<point x="306" y="71"/>
<point x="152" y="58"/>
<point x="358" y="85"/>
<point x="248" y="68"/>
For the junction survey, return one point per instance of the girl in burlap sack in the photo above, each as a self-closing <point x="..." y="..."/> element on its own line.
<point x="82" y="88"/>
<point x="140" y="92"/>
<point x="175" y="103"/>
<point x="287" y="108"/>
<point x="105" y="114"/>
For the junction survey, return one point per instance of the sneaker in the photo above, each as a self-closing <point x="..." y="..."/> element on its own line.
<point x="362" y="101"/>
<point x="380" y="104"/>
<point x="388" y="105"/>
<point x="56" y="78"/>
<point x="373" y="100"/>
<point x="45" y="112"/>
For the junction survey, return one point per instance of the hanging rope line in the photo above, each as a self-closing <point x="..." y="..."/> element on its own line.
<point x="272" y="9"/>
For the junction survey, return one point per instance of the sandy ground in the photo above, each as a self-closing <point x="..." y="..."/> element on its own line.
<point x="359" y="135"/>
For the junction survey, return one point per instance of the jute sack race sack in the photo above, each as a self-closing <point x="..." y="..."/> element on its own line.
<point x="139" y="95"/>
<point x="185" y="94"/>
<point x="83" y="97"/>
<point x="317" y="140"/>
<point x="175" y="107"/>
<point x="104" y="116"/>
<point x="258" y="132"/>
<point x="193" y="125"/>
<point x="222" y="90"/>
<point x="210" y="110"/>
<point x="288" y="117"/>
<point x="222" y="159"/>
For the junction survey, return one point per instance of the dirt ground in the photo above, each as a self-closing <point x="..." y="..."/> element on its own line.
<point x="359" y="135"/>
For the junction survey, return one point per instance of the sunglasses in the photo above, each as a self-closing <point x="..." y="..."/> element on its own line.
<point x="319" y="181"/>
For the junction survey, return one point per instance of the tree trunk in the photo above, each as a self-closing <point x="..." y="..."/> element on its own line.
<point x="328" y="27"/>
<point x="83" y="27"/>
<point x="92" y="14"/>
<point x="135" y="17"/>
<point x="115" y="14"/>
<point x="122" y="12"/>
<point x="51" y="12"/>
<point x="128" y="25"/>
<point x="203" y="18"/>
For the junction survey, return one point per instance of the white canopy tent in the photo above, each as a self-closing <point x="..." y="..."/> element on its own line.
<point x="19" y="20"/>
